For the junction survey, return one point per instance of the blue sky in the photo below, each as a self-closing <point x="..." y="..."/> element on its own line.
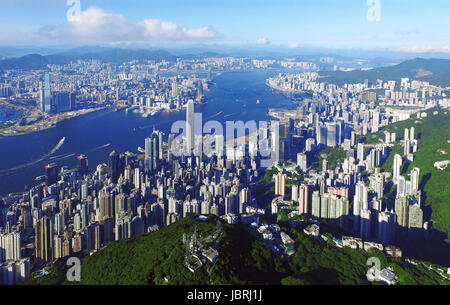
<point x="408" y="25"/>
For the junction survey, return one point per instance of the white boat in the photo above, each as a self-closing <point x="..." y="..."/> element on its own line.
<point x="156" y="112"/>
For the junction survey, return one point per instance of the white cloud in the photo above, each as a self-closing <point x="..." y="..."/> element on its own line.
<point x="295" y="45"/>
<point x="97" y="25"/>
<point x="264" y="41"/>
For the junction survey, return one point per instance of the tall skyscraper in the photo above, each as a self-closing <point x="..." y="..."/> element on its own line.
<point x="199" y="91"/>
<point x="46" y="95"/>
<point x="114" y="166"/>
<point x="415" y="220"/>
<point x="415" y="176"/>
<point x="302" y="161"/>
<point x="406" y="136"/>
<point x="361" y="199"/>
<point x="396" y="167"/>
<point x="82" y="165"/>
<point x="60" y="102"/>
<point x="51" y="174"/>
<point x="401" y="186"/>
<point x="402" y="209"/>
<point x="407" y="148"/>
<point x="304" y="199"/>
<point x="331" y="134"/>
<point x="360" y="152"/>
<point x="375" y="120"/>
<point x="153" y="150"/>
<point x="315" y="202"/>
<point x="280" y="184"/>
<point x="386" y="225"/>
<point x="190" y="128"/>
<point x="44" y="239"/>
<point x="10" y="245"/>
<point x="174" y="88"/>
<point x="365" y="225"/>
<point x="73" y="101"/>
<point x="295" y="193"/>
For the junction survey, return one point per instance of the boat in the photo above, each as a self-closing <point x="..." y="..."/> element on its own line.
<point x="156" y="112"/>
<point x="131" y="108"/>
<point x="258" y="102"/>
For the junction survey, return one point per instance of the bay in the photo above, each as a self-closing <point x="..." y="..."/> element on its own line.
<point x="233" y="97"/>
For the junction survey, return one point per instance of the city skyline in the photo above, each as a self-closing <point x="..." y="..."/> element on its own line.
<point x="231" y="142"/>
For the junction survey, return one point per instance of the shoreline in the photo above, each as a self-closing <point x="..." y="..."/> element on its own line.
<point x="12" y="131"/>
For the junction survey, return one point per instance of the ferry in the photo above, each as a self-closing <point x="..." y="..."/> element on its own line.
<point x="156" y="112"/>
<point x="131" y="108"/>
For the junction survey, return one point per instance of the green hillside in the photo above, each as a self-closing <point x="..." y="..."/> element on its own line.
<point x="433" y="134"/>
<point x="154" y="257"/>
<point x="435" y="71"/>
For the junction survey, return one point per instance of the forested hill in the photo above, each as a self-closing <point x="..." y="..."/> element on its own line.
<point x="435" y="71"/>
<point x="158" y="258"/>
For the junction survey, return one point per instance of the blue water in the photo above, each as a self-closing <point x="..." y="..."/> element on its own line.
<point x="22" y="158"/>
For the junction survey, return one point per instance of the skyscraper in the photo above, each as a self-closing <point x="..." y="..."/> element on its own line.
<point x="415" y="175"/>
<point x="304" y="199"/>
<point x="406" y="137"/>
<point x="114" y="166"/>
<point x="46" y="95"/>
<point x="190" y="128"/>
<point x="82" y="165"/>
<point x="365" y="224"/>
<point x="386" y="225"/>
<point x="401" y="186"/>
<point x="412" y="133"/>
<point x="44" y="239"/>
<point x="302" y="161"/>
<point x="331" y="134"/>
<point x="402" y="209"/>
<point x="280" y="184"/>
<point x="360" y="152"/>
<point x="315" y="211"/>
<point x="152" y="151"/>
<point x="60" y="102"/>
<point x="199" y="91"/>
<point x="396" y="167"/>
<point x="415" y="220"/>
<point x="361" y="199"/>
<point x="73" y="101"/>
<point x="51" y="174"/>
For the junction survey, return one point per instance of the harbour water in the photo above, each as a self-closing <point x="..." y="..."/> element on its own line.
<point x="233" y="97"/>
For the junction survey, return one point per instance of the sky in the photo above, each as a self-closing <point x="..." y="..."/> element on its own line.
<point x="401" y="25"/>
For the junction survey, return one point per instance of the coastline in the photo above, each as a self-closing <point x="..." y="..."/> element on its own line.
<point x="46" y="124"/>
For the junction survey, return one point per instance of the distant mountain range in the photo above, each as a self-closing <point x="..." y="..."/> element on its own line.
<point x="435" y="71"/>
<point x="114" y="55"/>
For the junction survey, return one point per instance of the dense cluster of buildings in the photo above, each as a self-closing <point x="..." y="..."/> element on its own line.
<point x="76" y="212"/>
<point x="405" y="92"/>
<point x="354" y="194"/>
